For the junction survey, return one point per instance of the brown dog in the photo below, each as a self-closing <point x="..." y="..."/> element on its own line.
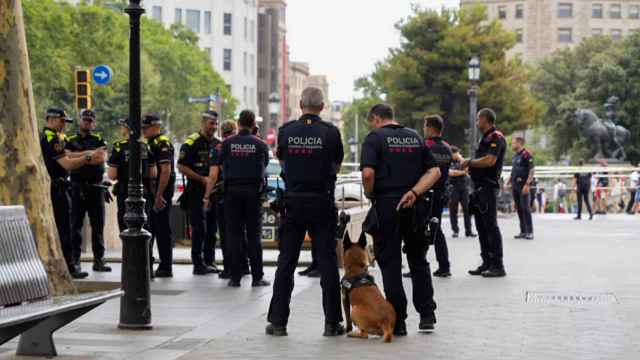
<point x="363" y="301"/>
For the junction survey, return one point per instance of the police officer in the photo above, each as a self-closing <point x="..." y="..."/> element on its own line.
<point x="522" y="170"/>
<point x="582" y="186"/>
<point x="118" y="170"/>
<point x="194" y="164"/>
<point x="162" y="150"/>
<point x="310" y="152"/>
<point x="397" y="171"/>
<point x="441" y="151"/>
<point x="243" y="159"/>
<point x="59" y="162"/>
<point x="485" y="169"/>
<point x="87" y="192"/>
<point x="459" y="194"/>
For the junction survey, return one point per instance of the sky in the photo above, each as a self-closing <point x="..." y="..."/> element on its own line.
<point x="344" y="39"/>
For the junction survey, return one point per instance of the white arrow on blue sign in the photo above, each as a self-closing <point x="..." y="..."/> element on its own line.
<point x="102" y="75"/>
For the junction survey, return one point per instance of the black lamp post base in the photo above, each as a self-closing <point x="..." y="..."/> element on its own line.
<point x="135" y="306"/>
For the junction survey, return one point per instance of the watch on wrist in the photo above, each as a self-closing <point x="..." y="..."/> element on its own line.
<point x="87" y="158"/>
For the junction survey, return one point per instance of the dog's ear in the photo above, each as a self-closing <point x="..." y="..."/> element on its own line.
<point x="362" y="240"/>
<point x="346" y="241"/>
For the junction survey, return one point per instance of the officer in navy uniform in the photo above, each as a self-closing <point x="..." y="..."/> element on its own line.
<point x="485" y="169"/>
<point x="59" y="162"/>
<point x="193" y="162"/>
<point x="459" y="194"/>
<point x="162" y="150"/>
<point x="441" y="151"/>
<point x="582" y="186"/>
<point x="397" y="171"/>
<point x="522" y="171"/>
<point x="310" y="152"/>
<point x="87" y="192"/>
<point x="243" y="159"/>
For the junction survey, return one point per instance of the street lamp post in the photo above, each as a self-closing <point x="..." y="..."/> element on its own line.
<point x="135" y="305"/>
<point x="474" y="77"/>
<point x="353" y="148"/>
<point x="274" y="110"/>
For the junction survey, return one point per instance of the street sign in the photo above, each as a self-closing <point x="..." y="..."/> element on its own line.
<point x="102" y="75"/>
<point x="202" y="99"/>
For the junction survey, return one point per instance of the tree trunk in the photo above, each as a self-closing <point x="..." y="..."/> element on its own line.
<point x="23" y="176"/>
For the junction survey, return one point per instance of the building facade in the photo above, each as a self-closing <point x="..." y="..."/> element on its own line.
<point x="321" y="82"/>
<point x="228" y="31"/>
<point x="298" y="76"/>
<point x="544" y="26"/>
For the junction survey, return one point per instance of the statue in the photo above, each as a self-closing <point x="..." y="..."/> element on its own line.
<point x="606" y="139"/>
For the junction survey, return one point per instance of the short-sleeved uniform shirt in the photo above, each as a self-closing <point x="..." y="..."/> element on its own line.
<point x="441" y="152"/>
<point x="521" y="165"/>
<point x="492" y="143"/>
<point x="399" y="157"/>
<point x="163" y="153"/>
<point x="53" y="146"/>
<point x="311" y="151"/>
<point x="583" y="180"/>
<point x="78" y="143"/>
<point x="119" y="158"/>
<point x="243" y="159"/>
<point x="195" y="154"/>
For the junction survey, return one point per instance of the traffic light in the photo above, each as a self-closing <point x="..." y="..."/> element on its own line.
<point x="83" y="90"/>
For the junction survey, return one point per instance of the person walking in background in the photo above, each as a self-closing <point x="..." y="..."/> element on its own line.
<point x="582" y="185"/>
<point x="459" y="194"/>
<point x="634" y="186"/>
<point x="522" y="170"/>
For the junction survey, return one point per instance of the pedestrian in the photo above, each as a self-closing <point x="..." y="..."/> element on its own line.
<point x="602" y="193"/>
<point x="559" y="196"/>
<point x="310" y="152"/>
<point x="522" y="171"/>
<point x="485" y="169"/>
<point x="243" y="159"/>
<point x="441" y="151"/>
<point x="58" y="163"/>
<point x="397" y="171"/>
<point x="634" y="186"/>
<point x="582" y="185"/>
<point x="87" y="192"/>
<point x="193" y="162"/>
<point x="459" y="194"/>
<point x="163" y="155"/>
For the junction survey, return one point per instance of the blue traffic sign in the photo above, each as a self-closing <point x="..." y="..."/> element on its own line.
<point x="102" y="75"/>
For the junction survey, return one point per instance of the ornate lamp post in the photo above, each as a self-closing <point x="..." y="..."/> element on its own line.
<point x="474" y="77"/>
<point x="135" y="305"/>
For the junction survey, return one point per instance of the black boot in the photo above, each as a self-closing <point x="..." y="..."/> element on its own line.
<point x="442" y="273"/>
<point x="260" y="283"/>
<point x="400" y="329"/>
<point x="333" y="329"/>
<point x="480" y="269"/>
<point x="427" y="323"/>
<point x="276" y="330"/>
<point x="100" y="266"/>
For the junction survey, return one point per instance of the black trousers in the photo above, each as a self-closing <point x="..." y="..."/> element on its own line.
<point x="584" y="194"/>
<point x="62" y="215"/>
<point x="161" y="233"/>
<point x="313" y="213"/>
<point x="87" y="199"/>
<point x="524" y="210"/>
<point x="486" y="216"/>
<point x="440" y="242"/>
<point x="226" y="255"/>
<point x="459" y="197"/>
<point x="243" y="215"/>
<point x="632" y="200"/>
<point x="204" y="230"/>
<point x="394" y="230"/>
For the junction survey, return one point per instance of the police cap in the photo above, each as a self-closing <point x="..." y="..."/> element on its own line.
<point x="150" y="119"/>
<point x="88" y="114"/>
<point x="124" y="122"/>
<point x="59" y="113"/>
<point x="210" y="114"/>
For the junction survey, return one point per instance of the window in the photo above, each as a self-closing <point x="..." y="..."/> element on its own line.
<point x="565" y="10"/>
<point x="156" y="12"/>
<point x="193" y="20"/>
<point x="565" y="35"/>
<point x="502" y="12"/>
<point x="227" y="60"/>
<point x="246" y="28"/>
<point x="253" y="31"/>
<point x="252" y="64"/>
<point x="178" y="16"/>
<point x="244" y="63"/>
<point x="519" y="36"/>
<point x="519" y="11"/>
<point x="596" y="11"/>
<point x="615" y="11"/>
<point x="616" y="34"/>
<point x="208" y="50"/>
<point x="596" y="32"/>
<point x="207" y="22"/>
<point x="252" y="97"/>
<point x="227" y="23"/>
<point x="244" y="95"/>
<point x="634" y="11"/>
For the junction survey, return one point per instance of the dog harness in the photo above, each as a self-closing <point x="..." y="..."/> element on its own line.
<point x="362" y="280"/>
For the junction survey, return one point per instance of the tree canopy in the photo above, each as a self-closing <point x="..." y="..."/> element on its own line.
<point x="428" y="73"/>
<point x="62" y="37"/>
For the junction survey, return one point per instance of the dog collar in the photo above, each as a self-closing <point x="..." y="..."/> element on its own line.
<point x="361" y="280"/>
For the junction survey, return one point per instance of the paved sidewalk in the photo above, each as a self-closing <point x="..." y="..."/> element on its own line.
<point x="580" y="279"/>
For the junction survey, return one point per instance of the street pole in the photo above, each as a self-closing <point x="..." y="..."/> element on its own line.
<point x="135" y="305"/>
<point x="356" y="136"/>
<point x="473" y="110"/>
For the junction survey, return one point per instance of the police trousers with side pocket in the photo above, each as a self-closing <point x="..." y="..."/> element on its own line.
<point x="62" y="215"/>
<point x="396" y="228"/>
<point x="87" y="199"/>
<point x="313" y="213"/>
<point x="483" y="204"/>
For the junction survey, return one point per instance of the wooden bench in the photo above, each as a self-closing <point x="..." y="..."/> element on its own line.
<point x="26" y="306"/>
